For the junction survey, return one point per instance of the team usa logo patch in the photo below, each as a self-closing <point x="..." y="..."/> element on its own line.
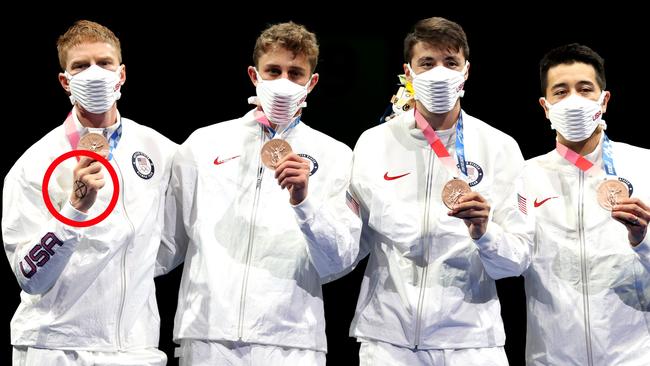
<point x="630" y="188"/>
<point x="313" y="164"/>
<point x="142" y="165"/>
<point x="474" y="173"/>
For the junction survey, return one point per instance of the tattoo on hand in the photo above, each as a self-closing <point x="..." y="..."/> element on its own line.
<point x="80" y="189"/>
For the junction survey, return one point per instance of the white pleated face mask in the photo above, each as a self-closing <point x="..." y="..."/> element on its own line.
<point x="280" y="98"/>
<point x="438" y="89"/>
<point x="576" y="117"/>
<point x="96" y="89"/>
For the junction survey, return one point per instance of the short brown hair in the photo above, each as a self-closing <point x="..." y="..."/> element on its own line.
<point x="294" y="37"/>
<point x="438" y="32"/>
<point x="86" y="31"/>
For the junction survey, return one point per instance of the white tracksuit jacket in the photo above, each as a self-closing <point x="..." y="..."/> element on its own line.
<point x="587" y="288"/>
<point x="254" y="264"/>
<point x="87" y="288"/>
<point x="428" y="284"/>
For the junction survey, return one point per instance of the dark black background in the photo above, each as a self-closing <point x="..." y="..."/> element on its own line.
<point x="186" y="68"/>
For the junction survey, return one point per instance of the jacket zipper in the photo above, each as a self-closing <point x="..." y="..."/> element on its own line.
<point x="425" y="252"/>
<point x="583" y="268"/>
<point x="249" y="249"/>
<point x="123" y="263"/>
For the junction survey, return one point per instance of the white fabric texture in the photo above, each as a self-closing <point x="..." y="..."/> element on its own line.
<point x="587" y="288"/>
<point x="97" y="291"/>
<point x="253" y="263"/>
<point x="427" y="283"/>
<point x="373" y="353"/>
<point x="201" y="353"/>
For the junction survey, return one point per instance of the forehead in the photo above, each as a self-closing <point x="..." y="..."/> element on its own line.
<point x="571" y="74"/>
<point x="91" y="50"/>
<point x="280" y="56"/>
<point x="424" y="49"/>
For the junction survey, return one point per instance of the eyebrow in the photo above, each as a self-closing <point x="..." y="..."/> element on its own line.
<point x="579" y="83"/>
<point x="291" y="68"/>
<point x="105" y="58"/>
<point x="445" y="58"/>
<point x="558" y="85"/>
<point x="78" y="63"/>
<point x="425" y="58"/>
<point x="585" y="82"/>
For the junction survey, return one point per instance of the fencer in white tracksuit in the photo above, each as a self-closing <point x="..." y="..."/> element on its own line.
<point x="428" y="285"/>
<point x="254" y="264"/>
<point x="588" y="284"/>
<point x="587" y="288"/>
<point x="87" y="289"/>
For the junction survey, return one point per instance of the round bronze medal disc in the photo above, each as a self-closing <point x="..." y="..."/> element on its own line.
<point x="610" y="192"/>
<point x="95" y="143"/>
<point x="453" y="190"/>
<point x="273" y="151"/>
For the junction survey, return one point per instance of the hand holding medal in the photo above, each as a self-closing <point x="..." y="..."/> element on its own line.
<point x="291" y="171"/>
<point x="87" y="176"/>
<point x="612" y="194"/>
<point x="456" y="194"/>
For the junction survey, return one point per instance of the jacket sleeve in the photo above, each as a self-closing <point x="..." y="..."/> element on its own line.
<point x="179" y="202"/>
<point x="505" y="247"/>
<point x="643" y="251"/>
<point x="384" y="218"/>
<point x="37" y="245"/>
<point x="331" y="227"/>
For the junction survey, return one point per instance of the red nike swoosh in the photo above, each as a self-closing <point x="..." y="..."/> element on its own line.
<point x="218" y="162"/>
<point x="537" y="204"/>
<point x="395" y="177"/>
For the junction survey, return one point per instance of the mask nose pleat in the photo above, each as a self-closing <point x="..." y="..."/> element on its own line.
<point x="438" y="89"/>
<point x="575" y="117"/>
<point x="280" y="99"/>
<point x="95" y="88"/>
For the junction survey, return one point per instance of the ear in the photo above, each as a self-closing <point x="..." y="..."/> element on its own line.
<point x="542" y="102"/>
<point x="314" y="80"/>
<point x="407" y="72"/>
<point x="603" y="108"/>
<point x="467" y="70"/>
<point x="122" y="75"/>
<point x="252" y="75"/>
<point x="65" y="83"/>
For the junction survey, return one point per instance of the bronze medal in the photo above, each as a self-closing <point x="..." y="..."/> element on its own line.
<point x="273" y="151"/>
<point x="610" y="192"/>
<point x="453" y="190"/>
<point x="95" y="143"/>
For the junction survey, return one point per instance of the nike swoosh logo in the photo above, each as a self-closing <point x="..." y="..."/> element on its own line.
<point x="219" y="162"/>
<point x="537" y="204"/>
<point x="386" y="177"/>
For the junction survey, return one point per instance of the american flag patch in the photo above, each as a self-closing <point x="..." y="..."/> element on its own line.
<point x="522" y="204"/>
<point x="352" y="203"/>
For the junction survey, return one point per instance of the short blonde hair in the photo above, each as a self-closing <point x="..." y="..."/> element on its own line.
<point x="294" y="37"/>
<point x="84" y="31"/>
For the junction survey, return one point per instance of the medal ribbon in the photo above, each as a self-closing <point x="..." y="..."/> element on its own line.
<point x="439" y="148"/>
<point x="261" y="118"/>
<point x="586" y="165"/>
